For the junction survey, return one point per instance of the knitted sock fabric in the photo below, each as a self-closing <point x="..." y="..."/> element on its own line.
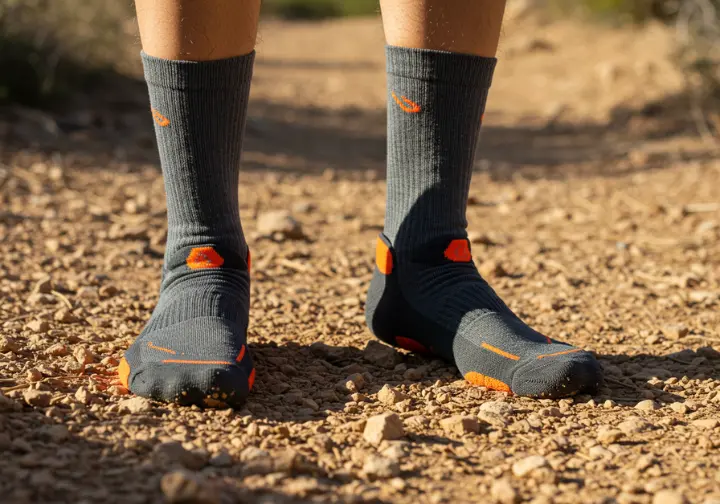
<point x="426" y="294"/>
<point x="193" y="350"/>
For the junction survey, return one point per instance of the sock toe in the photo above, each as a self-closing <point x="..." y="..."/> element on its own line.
<point x="558" y="376"/>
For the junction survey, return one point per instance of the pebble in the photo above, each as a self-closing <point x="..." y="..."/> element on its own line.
<point x="84" y="356"/>
<point x="253" y="452"/>
<point x="634" y="425"/>
<point x="679" y="407"/>
<point x="503" y="492"/>
<point x="669" y="497"/>
<point x="674" y="331"/>
<point x="279" y="224"/>
<point x="598" y="452"/>
<point x="135" y="405"/>
<point x="173" y="452"/>
<point x="607" y="435"/>
<point x="65" y="316"/>
<point x="706" y="423"/>
<point x="460" y="424"/>
<point x="57" y="350"/>
<point x="384" y="427"/>
<point x="37" y="398"/>
<point x="8" y="345"/>
<point x="187" y="488"/>
<point x="83" y="395"/>
<point x="390" y="396"/>
<point x="376" y="467"/>
<point x="525" y="466"/>
<point x="381" y="355"/>
<point x="647" y="405"/>
<point x="38" y="326"/>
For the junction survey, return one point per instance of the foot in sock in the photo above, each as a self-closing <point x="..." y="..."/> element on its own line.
<point x="193" y="349"/>
<point x="426" y="294"/>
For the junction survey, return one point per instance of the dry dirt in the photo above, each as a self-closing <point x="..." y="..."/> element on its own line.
<point x="595" y="213"/>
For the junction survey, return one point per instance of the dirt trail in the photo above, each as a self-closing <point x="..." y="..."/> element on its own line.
<point x="595" y="213"/>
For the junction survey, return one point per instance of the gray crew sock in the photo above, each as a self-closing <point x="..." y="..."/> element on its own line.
<point x="193" y="349"/>
<point x="426" y="294"/>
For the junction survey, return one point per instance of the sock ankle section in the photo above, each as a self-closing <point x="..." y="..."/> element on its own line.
<point x="199" y="110"/>
<point x="436" y="100"/>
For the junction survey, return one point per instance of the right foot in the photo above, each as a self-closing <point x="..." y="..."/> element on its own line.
<point x="193" y="349"/>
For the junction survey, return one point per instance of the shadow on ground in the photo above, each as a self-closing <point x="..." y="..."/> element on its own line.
<point x="112" y="126"/>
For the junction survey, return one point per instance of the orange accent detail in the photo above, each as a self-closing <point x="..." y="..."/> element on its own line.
<point x="249" y="261"/>
<point x="411" y="344"/>
<point x="166" y="350"/>
<point x="505" y="354"/>
<point x="383" y="258"/>
<point x="251" y="379"/>
<point x="548" y="339"/>
<point x="181" y="361"/>
<point x="241" y="354"/>
<point x="574" y="350"/>
<point x="480" y="380"/>
<point x="458" y="251"/>
<point x="124" y="372"/>
<point x="406" y="104"/>
<point x="160" y="119"/>
<point x="204" y="258"/>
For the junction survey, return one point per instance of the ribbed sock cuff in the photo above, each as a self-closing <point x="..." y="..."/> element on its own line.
<point x="228" y="73"/>
<point x="444" y="66"/>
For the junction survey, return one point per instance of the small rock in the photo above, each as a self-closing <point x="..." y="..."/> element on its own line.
<point x="33" y="375"/>
<point x="83" y="395"/>
<point x="84" y="356"/>
<point x="8" y="345"/>
<point x="376" y="467"/>
<point x="599" y="452"/>
<point x="417" y="421"/>
<point x="647" y="405"/>
<point x="381" y="355"/>
<point x="674" y="331"/>
<point x="43" y="286"/>
<point x="460" y="424"/>
<point x="527" y="465"/>
<point x="498" y="407"/>
<point x="221" y="459"/>
<point x="679" y="407"/>
<point x="384" y="427"/>
<point x="107" y="291"/>
<point x="413" y="374"/>
<point x="669" y="497"/>
<point x="706" y="423"/>
<point x="38" y="326"/>
<point x="279" y="224"/>
<point x="504" y="493"/>
<point x="352" y="384"/>
<point x="644" y="462"/>
<point x="37" y="398"/>
<point x="609" y="436"/>
<point x="173" y="452"/>
<point x="633" y="426"/>
<point x="252" y="453"/>
<point x="390" y="396"/>
<point x="184" y="487"/>
<point x="65" y="316"/>
<point x="57" y="350"/>
<point x="135" y="405"/>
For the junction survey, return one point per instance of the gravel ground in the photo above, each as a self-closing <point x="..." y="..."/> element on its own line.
<point x="595" y="216"/>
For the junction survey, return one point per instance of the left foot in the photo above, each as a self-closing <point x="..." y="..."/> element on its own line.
<point x="434" y="301"/>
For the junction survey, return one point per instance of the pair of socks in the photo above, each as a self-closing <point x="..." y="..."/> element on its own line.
<point x="426" y="294"/>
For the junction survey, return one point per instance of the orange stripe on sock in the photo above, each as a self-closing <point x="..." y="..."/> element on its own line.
<point x="406" y="104"/>
<point x="383" y="258"/>
<point x="496" y="350"/>
<point x="124" y="372"/>
<point x="574" y="350"/>
<point x="481" y="380"/>
<point x="241" y="354"/>
<point x="181" y="361"/>
<point x="251" y="379"/>
<point x="162" y="349"/>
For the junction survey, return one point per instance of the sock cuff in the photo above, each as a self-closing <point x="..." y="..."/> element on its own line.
<point x="228" y="73"/>
<point x="444" y="66"/>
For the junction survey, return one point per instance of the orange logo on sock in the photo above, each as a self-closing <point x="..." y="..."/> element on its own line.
<point x="160" y="119"/>
<point x="458" y="251"/>
<point x="406" y="104"/>
<point x="204" y="258"/>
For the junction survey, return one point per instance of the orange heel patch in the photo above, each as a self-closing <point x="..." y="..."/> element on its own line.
<point x="383" y="258"/>
<point x="481" y="380"/>
<point x="204" y="258"/>
<point x="458" y="251"/>
<point x="124" y="372"/>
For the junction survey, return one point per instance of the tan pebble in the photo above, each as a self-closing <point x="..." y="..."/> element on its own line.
<point x="386" y="426"/>
<point x="669" y="497"/>
<point x="504" y="493"/>
<point x="634" y="425"/>
<point x="460" y="424"/>
<point x="648" y="405"/>
<point x="279" y="224"/>
<point x="679" y="407"/>
<point x="599" y="452"/>
<point x="135" y="405"/>
<point x="186" y="487"/>
<point x="37" y="398"/>
<point x="38" y="326"/>
<point x="8" y="345"/>
<point x="413" y="374"/>
<point x="83" y="356"/>
<point x="33" y="375"/>
<point x="381" y="355"/>
<point x="65" y="316"/>
<point x="523" y="467"/>
<point x="390" y="396"/>
<point x="83" y="395"/>
<point x="417" y="421"/>
<point x="607" y="435"/>
<point x="376" y="467"/>
<point x="674" y="331"/>
<point x="706" y="423"/>
<point x="107" y="291"/>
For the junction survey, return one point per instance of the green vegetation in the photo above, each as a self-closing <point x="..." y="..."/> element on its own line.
<point x="319" y="9"/>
